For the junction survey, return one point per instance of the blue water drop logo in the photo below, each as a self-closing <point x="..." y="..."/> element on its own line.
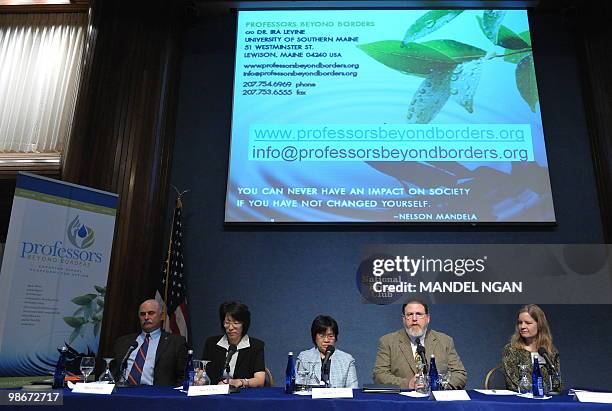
<point x="80" y="235"/>
<point x="82" y="231"/>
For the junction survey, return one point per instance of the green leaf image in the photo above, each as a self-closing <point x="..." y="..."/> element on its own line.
<point x="88" y="311"/>
<point x="526" y="82"/>
<point x="89" y="240"/>
<point x="74" y="335"/>
<point x="72" y="229"/>
<point x="428" y="23"/>
<point x="490" y="23"/>
<point x="414" y="59"/>
<point x="510" y="40"/>
<point x="526" y="36"/>
<point x="101" y="290"/>
<point x="455" y="50"/>
<point x="75" y="322"/>
<point x="512" y="56"/>
<point x="464" y="81"/>
<point x="100" y="302"/>
<point x="430" y="97"/>
<point x="85" y="299"/>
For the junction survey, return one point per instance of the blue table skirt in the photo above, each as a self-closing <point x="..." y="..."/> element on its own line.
<point x="264" y="399"/>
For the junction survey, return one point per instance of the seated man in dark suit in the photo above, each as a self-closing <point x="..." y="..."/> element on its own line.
<point x="159" y="358"/>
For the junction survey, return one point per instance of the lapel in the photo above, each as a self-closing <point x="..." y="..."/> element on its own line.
<point x="431" y="341"/>
<point x="315" y="357"/>
<point x="239" y="360"/>
<point x="161" y="346"/>
<point x="406" y="349"/>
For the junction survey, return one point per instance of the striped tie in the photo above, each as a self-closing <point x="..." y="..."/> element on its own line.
<point x="137" y="367"/>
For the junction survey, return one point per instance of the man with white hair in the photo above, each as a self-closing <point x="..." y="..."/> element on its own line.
<point x="159" y="357"/>
<point x="398" y="352"/>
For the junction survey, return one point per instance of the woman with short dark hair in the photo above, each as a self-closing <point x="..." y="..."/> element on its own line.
<point x="342" y="372"/>
<point x="247" y="366"/>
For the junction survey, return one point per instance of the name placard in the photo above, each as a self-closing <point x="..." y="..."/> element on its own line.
<point x="93" y="388"/>
<point x="196" y="390"/>
<point x="332" y="393"/>
<point x="451" y="395"/>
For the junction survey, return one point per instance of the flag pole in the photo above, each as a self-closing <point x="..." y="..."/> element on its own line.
<point x="165" y="310"/>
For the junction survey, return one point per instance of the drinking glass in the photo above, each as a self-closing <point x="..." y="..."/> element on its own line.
<point x="87" y="366"/>
<point x="444" y="379"/>
<point x="421" y="384"/>
<point x="304" y="371"/>
<point x="107" y="376"/>
<point x="524" y="385"/>
<point x="200" y="378"/>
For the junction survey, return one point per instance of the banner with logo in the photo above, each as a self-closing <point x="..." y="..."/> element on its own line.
<point x="54" y="272"/>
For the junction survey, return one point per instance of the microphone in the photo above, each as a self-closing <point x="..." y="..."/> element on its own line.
<point x="231" y="350"/>
<point x="551" y="368"/>
<point x="131" y="348"/>
<point x="122" y="366"/>
<point x="325" y="367"/>
<point x="328" y="353"/>
<point x="544" y="354"/>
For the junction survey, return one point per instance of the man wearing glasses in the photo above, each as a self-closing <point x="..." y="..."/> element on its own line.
<point x="397" y="359"/>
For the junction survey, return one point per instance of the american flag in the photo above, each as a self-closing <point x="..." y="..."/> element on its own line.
<point x="172" y="293"/>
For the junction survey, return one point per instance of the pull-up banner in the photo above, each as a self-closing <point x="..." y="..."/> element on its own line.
<point x="54" y="271"/>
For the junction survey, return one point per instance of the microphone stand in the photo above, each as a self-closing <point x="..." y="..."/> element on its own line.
<point x="122" y="383"/>
<point x="325" y="371"/>
<point x="552" y="371"/>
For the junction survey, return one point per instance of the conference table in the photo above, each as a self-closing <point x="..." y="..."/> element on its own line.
<point x="274" y="398"/>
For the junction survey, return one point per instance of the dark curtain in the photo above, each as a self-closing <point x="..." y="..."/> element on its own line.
<point x="594" y="30"/>
<point x="122" y="141"/>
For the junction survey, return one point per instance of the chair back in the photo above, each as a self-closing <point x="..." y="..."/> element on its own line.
<point x="495" y="379"/>
<point x="269" y="382"/>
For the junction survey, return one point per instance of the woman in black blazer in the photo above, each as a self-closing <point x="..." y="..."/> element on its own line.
<point x="247" y="367"/>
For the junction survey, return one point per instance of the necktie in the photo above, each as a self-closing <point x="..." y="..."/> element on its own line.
<point x="417" y="357"/>
<point x="137" y="367"/>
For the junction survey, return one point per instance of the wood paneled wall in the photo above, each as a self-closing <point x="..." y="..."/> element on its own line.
<point x="122" y="141"/>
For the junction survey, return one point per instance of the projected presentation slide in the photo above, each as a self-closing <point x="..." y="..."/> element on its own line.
<point x="386" y="116"/>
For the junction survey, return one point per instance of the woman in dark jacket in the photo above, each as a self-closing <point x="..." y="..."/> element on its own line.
<point x="245" y="368"/>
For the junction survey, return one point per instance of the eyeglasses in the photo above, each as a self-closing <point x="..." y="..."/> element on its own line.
<point x="227" y="323"/>
<point x="418" y="316"/>
<point x="327" y="336"/>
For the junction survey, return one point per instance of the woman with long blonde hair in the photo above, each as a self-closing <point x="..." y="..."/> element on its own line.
<point x="531" y="334"/>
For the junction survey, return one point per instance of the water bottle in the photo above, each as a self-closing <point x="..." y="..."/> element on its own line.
<point x="60" y="369"/>
<point x="433" y="374"/>
<point x="537" y="383"/>
<point x="290" y="375"/>
<point x="189" y="372"/>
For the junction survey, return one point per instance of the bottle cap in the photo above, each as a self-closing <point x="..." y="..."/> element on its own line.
<point x="290" y="352"/>
<point x="433" y="356"/>
<point x="189" y="351"/>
